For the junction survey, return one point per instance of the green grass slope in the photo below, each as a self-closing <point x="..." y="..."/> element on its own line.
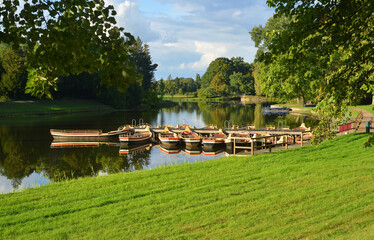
<point x="323" y="192"/>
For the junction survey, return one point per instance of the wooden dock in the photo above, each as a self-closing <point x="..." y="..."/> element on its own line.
<point x="259" y="140"/>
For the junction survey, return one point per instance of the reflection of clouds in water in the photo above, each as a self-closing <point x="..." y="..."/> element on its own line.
<point x="35" y="179"/>
<point x="5" y="185"/>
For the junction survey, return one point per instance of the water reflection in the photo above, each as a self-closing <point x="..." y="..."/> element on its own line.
<point x="29" y="157"/>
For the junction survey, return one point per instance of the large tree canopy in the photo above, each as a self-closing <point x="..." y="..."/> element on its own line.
<point x="272" y="78"/>
<point x="68" y="37"/>
<point x="335" y="41"/>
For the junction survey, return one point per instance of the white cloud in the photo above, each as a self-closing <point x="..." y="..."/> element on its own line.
<point x="130" y="17"/>
<point x="209" y="51"/>
<point x="185" y="36"/>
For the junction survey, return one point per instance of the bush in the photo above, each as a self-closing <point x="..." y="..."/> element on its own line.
<point x="207" y="93"/>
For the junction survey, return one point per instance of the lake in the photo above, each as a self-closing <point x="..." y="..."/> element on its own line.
<point x="27" y="158"/>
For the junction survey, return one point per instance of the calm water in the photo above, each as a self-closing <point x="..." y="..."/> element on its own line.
<point x="28" y="160"/>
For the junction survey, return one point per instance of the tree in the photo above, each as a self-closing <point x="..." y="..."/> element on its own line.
<point x="160" y="87"/>
<point x="335" y="40"/>
<point x="13" y="75"/>
<point x="198" y="80"/>
<point x="206" y="93"/>
<point x="188" y="85"/>
<point x="270" y="79"/>
<point x="223" y="66"/>
<point x="141" y="56"/>
<point x="240" y="83"/>
<point x="68" y="37"/>
<point x="219" y="85"/>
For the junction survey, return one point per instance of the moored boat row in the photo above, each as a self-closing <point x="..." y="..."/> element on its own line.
<point x="173" y="136"/>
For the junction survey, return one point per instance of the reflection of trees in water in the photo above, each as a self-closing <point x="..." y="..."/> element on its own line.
<point x="139" y="160"/>
<point x="80" y="162"/>
<point x="221" y="113"/>
<point x="24" y="150"/>
<point x="17" y="159"/>
<point x="292" y="121"/>
<point x="20" y="157"/>
<point x="259" y="117"/>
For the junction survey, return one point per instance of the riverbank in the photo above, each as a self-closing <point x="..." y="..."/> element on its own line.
<point x="44" y="107"/>
<point x="52" y="107"/>
<point x="323" y="191"/>
<point x="247" y="99"/>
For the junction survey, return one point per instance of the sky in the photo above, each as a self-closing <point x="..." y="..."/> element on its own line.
<point x="185" y="36"/>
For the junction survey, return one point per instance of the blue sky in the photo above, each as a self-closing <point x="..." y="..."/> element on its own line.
<point x="185" y="36"/>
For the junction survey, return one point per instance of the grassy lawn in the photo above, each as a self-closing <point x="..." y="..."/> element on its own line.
<point x="50" y="107"/>
<point x="368" y="108"/>
<point x="323" y="192"/>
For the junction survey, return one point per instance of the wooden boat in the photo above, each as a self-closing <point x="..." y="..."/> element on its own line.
<point x="134" y="137"/>
<point x="168" y="137"/>
<point x="214" y="139"/>
<point x="190" y="138"/>
<point x="81" y="144"/>
<point x="87" y="135"/>
<point x="276" y="110"/>
<point x="245" y="137"/>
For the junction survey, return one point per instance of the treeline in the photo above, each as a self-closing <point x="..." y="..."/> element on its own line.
<point x="14" y="79"/>
<point x="223" y="77"/>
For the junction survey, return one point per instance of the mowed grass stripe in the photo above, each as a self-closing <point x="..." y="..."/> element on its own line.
<point x="313" y="192"/>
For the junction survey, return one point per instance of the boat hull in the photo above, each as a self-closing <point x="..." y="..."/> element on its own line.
<point x="86" y="135"/>
<point x="169" y="139"/>
<point x="135" y="139"/>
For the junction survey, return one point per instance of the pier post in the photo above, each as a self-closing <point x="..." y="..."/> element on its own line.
<point x="252" y="149"/>
<point x="234" y="146"/>
<point x="302" y="137"/>
<point x="286" y="146"/>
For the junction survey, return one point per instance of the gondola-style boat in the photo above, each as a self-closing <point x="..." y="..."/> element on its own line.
<point x="214" y="139"/>
<point x="189" y="137"/>
<point x="87" y="135"/>
<point x="136" y="137"/>
<point x="243" y="139"/>
<point x="168" y="137"/>
<point x="80" y="144"/>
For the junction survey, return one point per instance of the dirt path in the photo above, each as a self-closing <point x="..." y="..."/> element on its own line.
<point x="367" y="116"/>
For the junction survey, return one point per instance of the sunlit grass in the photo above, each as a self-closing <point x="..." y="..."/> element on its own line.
<point x="369" y="108"/>
<point x="315" y="192"/>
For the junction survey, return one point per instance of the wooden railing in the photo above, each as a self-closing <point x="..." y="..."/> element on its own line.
<point x="357" y="122"/>
<point x="267" y="142"/>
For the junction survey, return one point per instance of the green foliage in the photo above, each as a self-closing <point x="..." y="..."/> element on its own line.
<point x="328" y="46"/>
<point x="151" y="98"/>
<point x="240" y="83"/>
<point x="323" y="192"/>
<point x="271" y="77"/>
<point x="12" y="72"/>
<point x="206" y="93"/>
<point x="219" y="85"/>
<point x="219" y="73"/>
<point x="223" y="66"/>
<point x="68" y="37"/>
<point x="39" y="84"/>
<point x="141" y="56"/>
